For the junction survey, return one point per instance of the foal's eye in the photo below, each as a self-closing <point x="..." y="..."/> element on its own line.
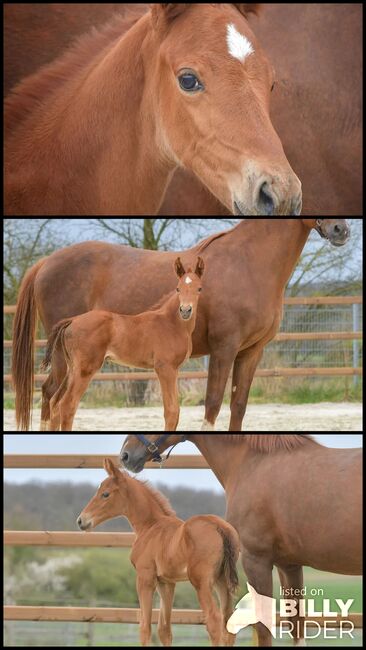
<point x="105" y="495"/>
<point x="189" y="82"/>
<point x="273" y="87"/>
<point x="199" y="290"/>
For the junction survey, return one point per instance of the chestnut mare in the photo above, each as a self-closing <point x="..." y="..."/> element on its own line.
<point x="204" y="550"/>
<point x="248" y="268"/>
<point x="159" y="339"/>
<point x="101" y="130"/>
<point x="280" y="492"/>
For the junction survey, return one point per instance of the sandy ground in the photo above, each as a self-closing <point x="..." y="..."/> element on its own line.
<point x="270" y="417"/>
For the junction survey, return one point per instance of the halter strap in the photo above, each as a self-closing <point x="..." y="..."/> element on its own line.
<point x="153" y="446"/>
<point x="319" y="223"/>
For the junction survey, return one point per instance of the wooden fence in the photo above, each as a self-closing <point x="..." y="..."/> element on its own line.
<point x="79" y="539"/>
<point x="261" y="372"/>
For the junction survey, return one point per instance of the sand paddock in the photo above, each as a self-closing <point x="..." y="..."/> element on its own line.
<point x="269" y="417"/>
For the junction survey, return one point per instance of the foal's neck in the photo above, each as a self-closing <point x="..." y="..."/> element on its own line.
<point x="145" y="507"/>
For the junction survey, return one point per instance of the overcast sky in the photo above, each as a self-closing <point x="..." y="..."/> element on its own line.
<point x="97" y="443"/>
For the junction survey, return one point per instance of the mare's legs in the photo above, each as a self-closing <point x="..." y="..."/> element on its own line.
<point x="227" y="609"/>
<point x="244" y="370"/>
<point x="292" y="577"/>
<point x="146" y="585"/>
<point x="166" y="591"/>
<point x="168" y="377"/>
<point x="201" y="578"/>
<point x="259" y="573"/>
<point x="218" y="375"/>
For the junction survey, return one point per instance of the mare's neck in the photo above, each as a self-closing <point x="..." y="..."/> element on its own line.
<point x="224" y="457"/>
<point x="277" y="242"/>
<point x="143" y="509"/>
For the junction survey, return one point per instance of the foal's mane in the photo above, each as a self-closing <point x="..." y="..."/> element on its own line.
<point x="29" y="93"/>
<point x="157" y="496"/>
<point x="269" y="443"/>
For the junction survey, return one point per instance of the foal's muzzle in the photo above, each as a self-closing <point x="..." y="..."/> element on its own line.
<point x="186" y="312"/>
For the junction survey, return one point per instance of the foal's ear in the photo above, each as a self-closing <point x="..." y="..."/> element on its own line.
<point x="110" y="468"/>
<point x="200" y="268"/>
<point x="179" y="268"/>
<point x="164" y="13"/>
<point x="247" y="8"/>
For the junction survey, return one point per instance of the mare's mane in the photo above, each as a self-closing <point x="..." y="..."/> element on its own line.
<point x="29" y="93"/>
<point x="209" y="240"/>
<point x="269" y="443"/>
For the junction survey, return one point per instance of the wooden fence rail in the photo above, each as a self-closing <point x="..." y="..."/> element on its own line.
<point x="116" y="615"/>
<point x="262" y="372"/>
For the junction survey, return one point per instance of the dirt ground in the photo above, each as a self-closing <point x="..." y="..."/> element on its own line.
<point x="269" y="417"/>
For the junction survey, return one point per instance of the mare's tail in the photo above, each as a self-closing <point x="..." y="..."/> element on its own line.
<point x="230" y="558"/>
<point x="24" y="327"/>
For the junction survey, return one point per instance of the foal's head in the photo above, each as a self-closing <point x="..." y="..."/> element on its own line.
<point x="189" y="288"/>
<point x="109" y="501"/>
<point x="211" y="83"/>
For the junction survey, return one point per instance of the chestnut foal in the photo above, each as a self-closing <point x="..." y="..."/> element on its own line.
<point x="159" y="339"/>
<point x="204" y="549"/>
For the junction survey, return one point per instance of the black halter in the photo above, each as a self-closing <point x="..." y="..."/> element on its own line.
<point x="153" y="447"/>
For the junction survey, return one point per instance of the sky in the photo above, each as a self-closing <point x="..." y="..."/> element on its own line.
<point x="89" y="443"/>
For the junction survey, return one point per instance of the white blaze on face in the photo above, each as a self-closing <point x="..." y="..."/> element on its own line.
<point x="238" y="45"/>
<point x="188" y="280"/>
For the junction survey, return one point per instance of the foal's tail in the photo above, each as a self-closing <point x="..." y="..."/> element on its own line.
<point x="24" y="328"/>
<point x="57" y="340"/>
<point x="230" y="558"/>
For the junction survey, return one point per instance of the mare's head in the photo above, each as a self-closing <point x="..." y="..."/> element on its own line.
<point x="336" y="231"/>
<point x="189" y="288"/>
<point x="109" y="501"/>
<point x="211" y="84"/>
<point x="138" y="449"/>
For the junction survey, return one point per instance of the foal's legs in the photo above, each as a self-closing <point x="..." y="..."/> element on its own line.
<point x="166" y="591"/>
<point x="200" y="577"/>
<point x="227" y="609"/>
<point x="76" y="387"/>
<point x="168" y="377"/>
<point x="146" y="585"/>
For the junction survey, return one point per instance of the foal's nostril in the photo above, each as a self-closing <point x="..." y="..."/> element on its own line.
<point x="266" y="204"/>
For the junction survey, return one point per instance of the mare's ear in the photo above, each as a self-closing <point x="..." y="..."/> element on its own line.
<point x="200" y="268"/>
<point x="247" y="8"/>
<point x="179" y="268"/>
<point x="110" y="468"/>
<point x="165" y="12"/>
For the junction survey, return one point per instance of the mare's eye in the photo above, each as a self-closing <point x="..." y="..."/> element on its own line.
<point x="105" y="495"/>
<point x="189" y="82"/>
